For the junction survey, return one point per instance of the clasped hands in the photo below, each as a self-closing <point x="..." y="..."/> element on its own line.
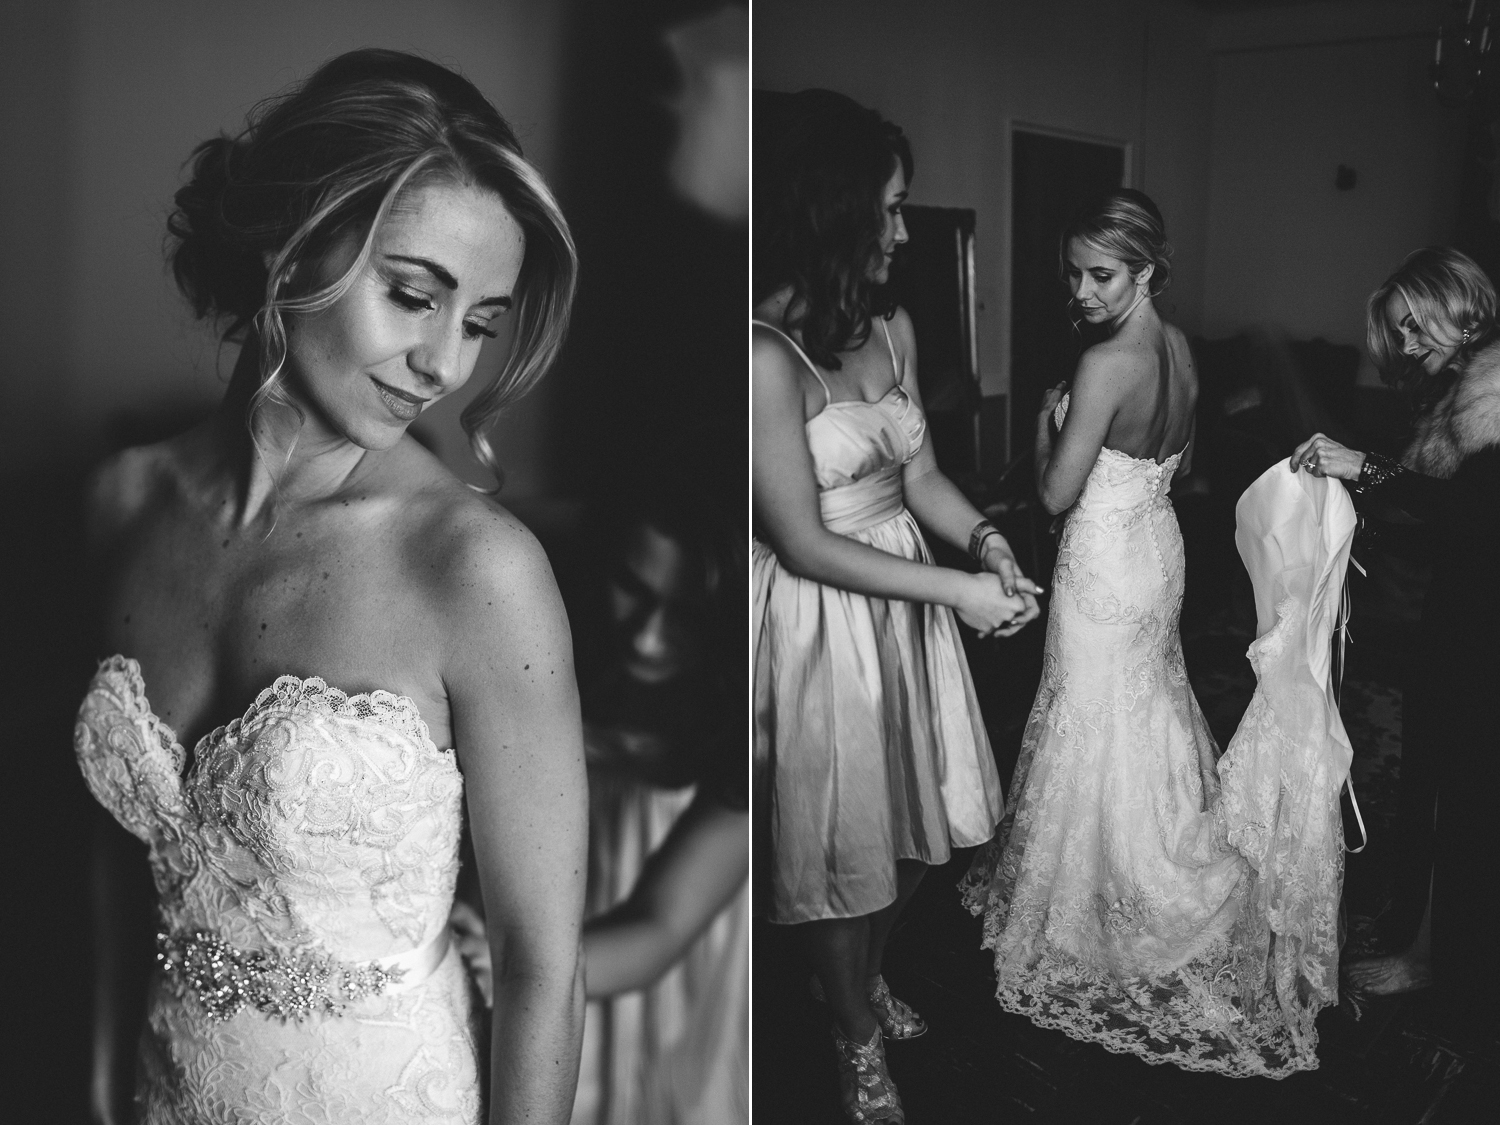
<point x="1001" y="599"/>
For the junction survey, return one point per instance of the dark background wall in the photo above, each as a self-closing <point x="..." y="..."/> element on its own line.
<point x="1236" y="114"/>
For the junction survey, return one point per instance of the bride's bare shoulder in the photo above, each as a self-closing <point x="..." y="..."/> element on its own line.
<point x="1116" y="364"/>
<point x="131" y="483"/>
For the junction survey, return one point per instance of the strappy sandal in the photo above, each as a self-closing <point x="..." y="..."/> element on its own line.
<point x="865" y="1087"/>
<point x="897" y="1019"/>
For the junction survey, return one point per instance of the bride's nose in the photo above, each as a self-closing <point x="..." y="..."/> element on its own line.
<point x="438" y="355"/>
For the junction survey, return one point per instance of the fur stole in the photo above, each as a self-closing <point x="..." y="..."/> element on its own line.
<point x="1464" y="421"/>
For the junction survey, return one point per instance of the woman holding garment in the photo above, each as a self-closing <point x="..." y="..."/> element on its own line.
<point x="876" y="757"/>
<point x="359" y="239"/>
<point x="1431" y="330"/>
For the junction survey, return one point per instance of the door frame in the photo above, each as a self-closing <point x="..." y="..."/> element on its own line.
<point x="1014" y="125"/>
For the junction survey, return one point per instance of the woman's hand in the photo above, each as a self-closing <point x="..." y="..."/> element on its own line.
<point x="1050" y="400"/>
<point x="998" y="559"/>
<point x="1321" y="456"/>
<point x="472" y="939"/>
<point x="984" y="606"/>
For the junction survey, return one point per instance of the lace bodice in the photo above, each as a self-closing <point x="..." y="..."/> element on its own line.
<point x="1119" y="483"/>
<point x="317" y="821"/>
<point x="318" y="834"/>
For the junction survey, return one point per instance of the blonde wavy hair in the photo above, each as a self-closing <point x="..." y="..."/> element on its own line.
<point x="1451" y="300"/>
<point x="329" y="159"/>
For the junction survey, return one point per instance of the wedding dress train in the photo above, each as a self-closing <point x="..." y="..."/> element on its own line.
<point x="1144" y="893"/>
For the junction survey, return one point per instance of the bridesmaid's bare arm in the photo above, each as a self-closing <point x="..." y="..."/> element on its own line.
<point x="788" y="517"/>
<point x="938" y="503"/>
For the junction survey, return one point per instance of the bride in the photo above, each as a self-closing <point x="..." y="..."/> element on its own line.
<point x="360" y="239"/>
<point x="1116" y="905"/>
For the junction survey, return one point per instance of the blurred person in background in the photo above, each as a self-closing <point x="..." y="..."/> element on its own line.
<point x="658" y="600"/>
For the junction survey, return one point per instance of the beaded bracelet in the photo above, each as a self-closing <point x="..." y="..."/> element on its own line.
<point x="982" y="531"/>
<point x="1375" y="472"/>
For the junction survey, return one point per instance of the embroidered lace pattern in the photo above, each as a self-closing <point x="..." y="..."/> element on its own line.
<point x="319" y="831"/>
<point x="1114" y="898"/>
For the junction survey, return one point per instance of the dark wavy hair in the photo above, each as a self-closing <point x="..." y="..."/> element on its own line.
<point x="328" y="159"/>
<point x="1127" y="225"/>
<point x="821" y="165"/>
<point x="1452" y="301"/>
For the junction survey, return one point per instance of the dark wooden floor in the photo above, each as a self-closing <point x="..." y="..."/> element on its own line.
<point x="1400" y="1062"/>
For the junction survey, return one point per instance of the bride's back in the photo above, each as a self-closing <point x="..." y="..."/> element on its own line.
<point x="1157" y="389"/>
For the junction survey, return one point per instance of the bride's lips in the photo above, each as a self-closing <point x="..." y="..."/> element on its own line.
<point x="404" y="405"/>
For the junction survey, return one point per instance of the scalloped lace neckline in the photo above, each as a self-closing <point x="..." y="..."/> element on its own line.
<point x="335" y="699"/>
<point x="1152" y="461"/>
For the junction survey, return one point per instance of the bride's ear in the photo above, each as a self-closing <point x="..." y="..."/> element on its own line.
<point x="1144" y="277"/>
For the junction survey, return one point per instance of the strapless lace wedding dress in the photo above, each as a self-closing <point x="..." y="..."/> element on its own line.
<point x="1143" y="893"/>
<point x="304" y="860"/>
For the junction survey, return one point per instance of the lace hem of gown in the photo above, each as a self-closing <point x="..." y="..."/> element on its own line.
<point x="1144" y="893"/>
<point x="1197" y="1016"/>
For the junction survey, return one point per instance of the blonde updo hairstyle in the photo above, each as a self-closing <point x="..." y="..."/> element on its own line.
<point x="329" y="159"/>
<point x="1452" y="301"/>
<point x="1126" y="225"/>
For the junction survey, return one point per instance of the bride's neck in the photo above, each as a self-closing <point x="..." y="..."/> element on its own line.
<point x="278" y="451"/>
<point x="1142" y="300"/>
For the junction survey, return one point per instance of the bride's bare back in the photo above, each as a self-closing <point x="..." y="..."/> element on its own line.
<point x="1134" y="393"/>
<point x="1155" y="388"/>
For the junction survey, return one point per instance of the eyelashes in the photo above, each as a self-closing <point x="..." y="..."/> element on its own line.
<point x="416" y="302"/>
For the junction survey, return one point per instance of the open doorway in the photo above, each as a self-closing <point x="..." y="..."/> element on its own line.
<point x="1053" y="174"/>
<point x="933" y="279"/>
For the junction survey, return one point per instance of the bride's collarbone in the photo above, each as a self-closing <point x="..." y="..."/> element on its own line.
<point x="209" y="643"/>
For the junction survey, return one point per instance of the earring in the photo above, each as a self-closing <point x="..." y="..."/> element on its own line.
<point x="1465" y="339"/>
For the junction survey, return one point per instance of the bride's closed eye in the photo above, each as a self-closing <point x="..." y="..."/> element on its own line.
<point x="420" y="302"/>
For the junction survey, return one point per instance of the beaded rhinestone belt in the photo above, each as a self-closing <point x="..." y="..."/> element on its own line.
<point x="226" y="980"/>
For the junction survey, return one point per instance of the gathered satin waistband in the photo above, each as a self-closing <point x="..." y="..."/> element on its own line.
<point x="863" y="503"/>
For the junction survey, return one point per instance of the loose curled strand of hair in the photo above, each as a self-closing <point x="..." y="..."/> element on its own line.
<point x="545" y="288"/>
<point x="330" y="158"/>
<point x="270" y="320"/>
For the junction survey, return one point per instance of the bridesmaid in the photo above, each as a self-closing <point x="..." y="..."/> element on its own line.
<point x="875" y="754"/>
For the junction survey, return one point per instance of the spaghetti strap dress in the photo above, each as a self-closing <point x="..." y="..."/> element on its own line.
<point x="867" y="728"/>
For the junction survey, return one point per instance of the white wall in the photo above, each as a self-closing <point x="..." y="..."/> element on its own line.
<point x="1296" y="94"/>
<point x="107" y="105"/>
<point x="955" y="74"/>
